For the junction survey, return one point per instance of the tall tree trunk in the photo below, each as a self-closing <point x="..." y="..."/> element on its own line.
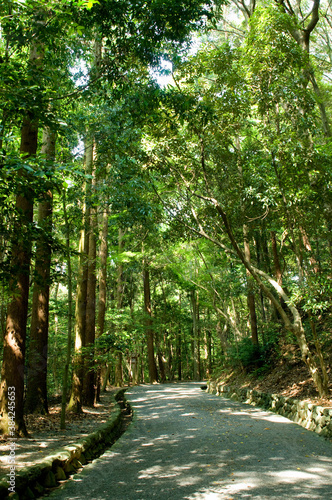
<point x="194" y="315"/>
<point x="207" y="348"/>
<point x="118" y="382"/>
<point x="277" y="267"/>
<point x="209" y="352"/>
<point x="289" y="220"/>
<point x="75" y="403"/>
<point x="148" y="325"/>
<point x="103" y="250"/>
<point x="260" y="264"/>
<point x="83" y="313"/>
<point x="321" y="104"/>
<point x="179" y="353"/>
<point x="250" y="286"/>
<point x="69" y="325"/>
<point x="222" y="334"/>
<point x="119" y="299"/>
<point x="161" y="364"/>
<point x="90" y="322"/>
<point x="179" y="346"/>
<point x="250" y="290"/>
<point x="12" y="372"/>
<point x="199" y="331"/>
<point x="36" y="396"/>
<point x="307" y="245"/>
<point x="106" y="377"/>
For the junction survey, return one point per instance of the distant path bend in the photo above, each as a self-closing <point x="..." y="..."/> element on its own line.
<point x="185" y="444"/>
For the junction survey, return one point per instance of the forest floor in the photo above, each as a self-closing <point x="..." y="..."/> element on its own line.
<point x="45" y="435"/>
<point x="288" y="378"/>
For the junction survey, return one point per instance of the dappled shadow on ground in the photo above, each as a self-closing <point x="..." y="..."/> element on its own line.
<point x="46" y="436"/>
<point x="211" y="448"/>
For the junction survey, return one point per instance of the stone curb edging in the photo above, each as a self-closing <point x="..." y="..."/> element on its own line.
<point x="31" y="482"/>
<point x="311" y="417"/>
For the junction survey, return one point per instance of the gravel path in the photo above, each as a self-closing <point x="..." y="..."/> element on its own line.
<point x="187" y="444"/>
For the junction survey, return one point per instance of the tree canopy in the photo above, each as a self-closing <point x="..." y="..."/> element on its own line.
<point x="156" y="231"/>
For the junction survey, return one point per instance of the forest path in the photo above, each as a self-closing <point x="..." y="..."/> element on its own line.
<point x="187" y="444"/>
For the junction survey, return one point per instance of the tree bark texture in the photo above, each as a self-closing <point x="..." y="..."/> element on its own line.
<point x="12" y="372"/>
<point x="69" y="325"/>
<point x="194" y="313"/>
<point x="75" y="403"/>
<point x="103" y="250"/>
<point x="153" y="376"/>
<point x="90" y="321"/>
<point x="36" y="397"/>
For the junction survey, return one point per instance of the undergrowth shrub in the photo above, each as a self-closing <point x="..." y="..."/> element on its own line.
<point x="252" y="358"/>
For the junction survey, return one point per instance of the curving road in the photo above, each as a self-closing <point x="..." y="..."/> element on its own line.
<point x="187" y="444"/>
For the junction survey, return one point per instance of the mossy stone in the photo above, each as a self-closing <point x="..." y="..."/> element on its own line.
<point x="49" y="481"/>
<point x="69" y="469"/>
<point x="60" y="474"/>
<point x="76" y="463"/>
<point x="38" y="489"/>
<point x="28" y="494"/>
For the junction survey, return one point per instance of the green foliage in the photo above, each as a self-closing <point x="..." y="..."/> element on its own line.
<point x="244" y="354"/>
<point x="239" y="128"/>
<point x="252" y="358"/>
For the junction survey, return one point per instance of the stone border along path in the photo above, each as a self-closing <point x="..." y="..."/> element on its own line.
<point x="186" y="444"/>
<point x="312" y="417"/>
<point x="34" y="481"/>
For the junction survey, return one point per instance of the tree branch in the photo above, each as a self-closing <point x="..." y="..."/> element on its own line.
<point x="314" y="17"/>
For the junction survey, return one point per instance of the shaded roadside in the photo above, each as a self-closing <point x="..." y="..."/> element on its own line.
<point x="187" y="444"/>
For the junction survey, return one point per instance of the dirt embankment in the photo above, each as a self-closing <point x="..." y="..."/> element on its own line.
<point x="289" y="377"/>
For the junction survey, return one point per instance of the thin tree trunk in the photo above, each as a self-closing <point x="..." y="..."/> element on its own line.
<point x="250" y="290"/>
<point x="142" y="365"/>
<point x="106" y="377"/>
<point x="306" y="244"/>
<point x="250" y="286"/>
<point x="260" y="264"/>
<point x="199" y="363"/>
<point x="69" y="325"/>
<point x="75" y="403"/>
<point x="119" y="298"/>
<point x="118" y="369"/>
<point x="179" y="354"/>
<point x="134" y="368"/>
<point x="277" y="267"/>
<point x="195" y="334"/>
<point x="56" y="328"/>
<point x="161" y="364"/>
<point x="290" y="224"/>
<point x="148" y="325"/>
<point x="321" y="104"/>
